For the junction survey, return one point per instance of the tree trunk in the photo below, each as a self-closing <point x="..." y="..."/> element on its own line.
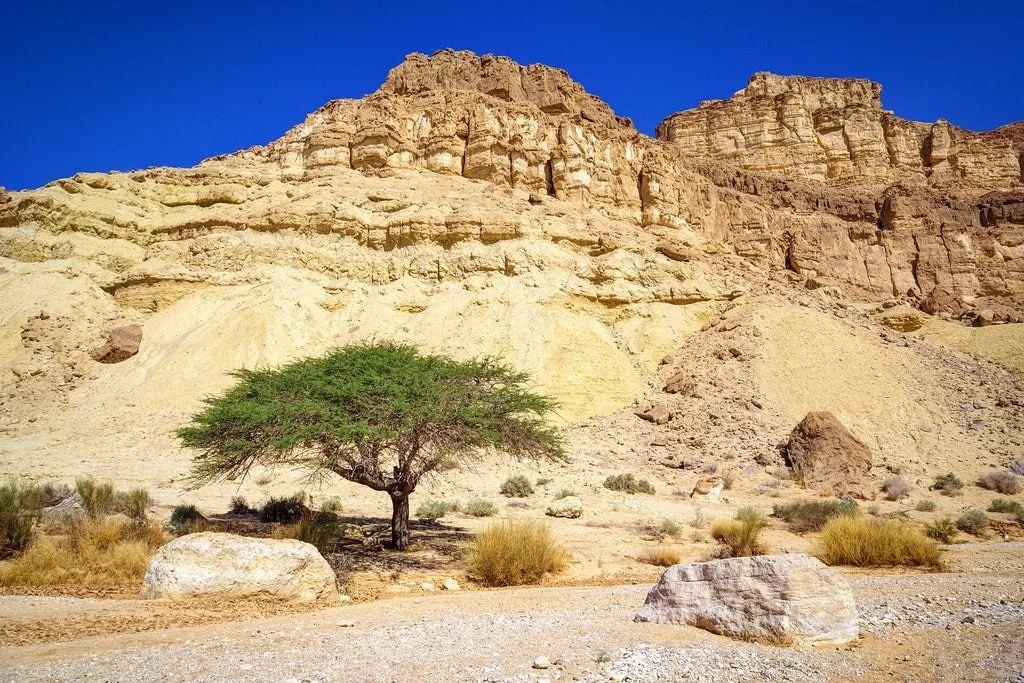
<point x="399" y="520"/>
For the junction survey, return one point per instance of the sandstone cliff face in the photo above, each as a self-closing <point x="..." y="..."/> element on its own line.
<point x="835" y="129"/>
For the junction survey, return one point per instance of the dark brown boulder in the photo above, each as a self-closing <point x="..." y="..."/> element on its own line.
<point x="122" y="343"/>
<point x="825" y="456"/>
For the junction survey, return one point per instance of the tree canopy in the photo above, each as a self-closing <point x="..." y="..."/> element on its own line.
<point x="380" y="415"/>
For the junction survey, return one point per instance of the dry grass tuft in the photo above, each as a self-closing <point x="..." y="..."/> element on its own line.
<point x="863" y="542"/>
<point x="660" y="557"/>
<point x="740" y="537"/>
<point x="1004" y="482"/>
<point x="94" y="554"/>
<point x="514" y="554"/>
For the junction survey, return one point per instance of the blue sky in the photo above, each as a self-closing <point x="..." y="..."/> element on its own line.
<point x="97" y="86"/>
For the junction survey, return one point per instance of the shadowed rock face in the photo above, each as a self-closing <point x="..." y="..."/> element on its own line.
<point x="825" y="456"/>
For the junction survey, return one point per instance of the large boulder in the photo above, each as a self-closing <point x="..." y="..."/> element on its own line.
<point x="122" y="343"/>
<point x="219" y="565"/>
<point x="782" y="599"/>
<point x="825" y="456"/>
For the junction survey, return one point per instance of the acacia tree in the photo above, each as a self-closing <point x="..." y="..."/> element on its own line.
<point x="380" y="415"/>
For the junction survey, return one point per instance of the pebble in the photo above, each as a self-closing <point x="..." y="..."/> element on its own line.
<point x="541" y="662"/>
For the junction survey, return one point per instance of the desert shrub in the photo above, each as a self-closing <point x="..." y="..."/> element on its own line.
<point x="671" y="528"/>
<point x="433" y="510"/>
<point x="514" y="553"/>
<point x="973" y="522"/>
<point x="240" y="506"/>
<point x="95" y="554"/>
<point x="134" y="504"/>
<point x="925" y="506"/>
<point x="1004" y="482"/>
<point x="284" y="510"/>
<point x="729" y="477"/>
<point x="863" y="542"/>
<point x="740" y="537"/>
<point x="1017" y="466"/>
<point x="700" y="519"/>
<point x="516" y="487"/>
<point x="480" y="508"/>
<point x="565" y="493"/>
<point x="1006" y="505"/>
<point x="183" y="517"/>
<point x="811" y="515"/>
<point x="55" y="493"/>
<point x="319" y="528"/>
<point x="98" y="499"/>
<point x="895" y="488"/>
<point x="660" y="557"/>
<point x="21" y="506"/>
<point x="543" y="481"/>
<point x="627" y="483"/>
<point x="948" y="484"/>
<point x="942" y="530"/>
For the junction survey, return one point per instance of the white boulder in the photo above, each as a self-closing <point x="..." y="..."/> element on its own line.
<point x="219" y="565"/>
<point x="783" y="599"/>
<point x="570" y="507"/>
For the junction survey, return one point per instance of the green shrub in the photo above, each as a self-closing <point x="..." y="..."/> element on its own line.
<point x="1006" y="505"/>
<point x="134" y="504"/>
<point x="1003" y="482"/>
<point x="565" y="493"/>
<point x="480" y="508"/>
<point x="240" y="506"/>
<point x="56" y="493"/>
<point x="811" y="515"/>
<point x="515" y="553"/>
<point x="973" y="522"/>
<point x="516" y="487"/>
<point x="284" y="510"/>
<point x="319" y="528"/>
<point x="864" y="542"/>
<point x="98" y="499"/>
<point x="433" y="510"/>
<point x="21" y="506"/>
<point x="183" y="517"/>
<point x="942" y="530"/>
<point x="948" y="484"/>
<point x="627" y="483"/>
<point x="671" y="528"/>
<point x="740" y="537"/>
<point x="925" y="506"/>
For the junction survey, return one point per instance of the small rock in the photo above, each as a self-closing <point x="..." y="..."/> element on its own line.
<point x="451" y="585"/>
<point x="346" y="623"/>
<point x="426" y="586"/>
<point x="541" y="662"/>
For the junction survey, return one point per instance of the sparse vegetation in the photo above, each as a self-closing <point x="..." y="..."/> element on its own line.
<point x="480" y="508"/>
<point x="729" y="477"/>
<point x="894" y="488"/>
<point x="543" y="481"/>
<point x="926" y="506"/>
<point x="740" y="537"/>
<point x="97" y="498"/>
<point x="21" y="506"/>
<point x="811" y="515"/>
<point x="948" y="484"/>
<point x="319" y="528"/>
<point x="134" y="505"/>
<point x="565" y="493"/>
<point x="973" y="521"/>
<point x="284" y="510"/>
<point x="700" y="519"/>
<point x="1017" y="466"/>
<point x="516" y="487"/>
<point x="94" y="554"/>
<point x="671" y="528"/>
<point x="240" y="506"/>
<point x="184" y="518"/>
<point x="942" y="530"/>
<point x="1011" y="507"/>
<point x="433" y="510"/>
<point x="515" y="553"/>
<point x="660" y="557"/>
<point x="627" y="483"/>
<point x="1003" y="481"/>
<point x="864" y="542"/>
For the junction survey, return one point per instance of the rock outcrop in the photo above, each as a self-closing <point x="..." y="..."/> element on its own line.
<point x="787" y="599"/>
<point x="826" y="457"/>
<point x="122" y="343"/>
<point x="570" y="507"/>
<point x="218" y="565"/>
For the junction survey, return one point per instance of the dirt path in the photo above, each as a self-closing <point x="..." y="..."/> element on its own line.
<point x="965" y="626"/>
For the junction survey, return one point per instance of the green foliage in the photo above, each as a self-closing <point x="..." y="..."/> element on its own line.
<point x="515" y="553"/>
<point x="284" y="510"/>
<point x="925" y="506"/>
<point x="565" y="493"/>
<point x="480" y="508"/>
<point x="183" y="517"/>
<point x="948" y="484"/>
<point x="21" y="506"/>
<point x="942" y="530"/>
<point x="134" y="504"/>
<point x="319" y="528"/>
<point x="56" y="493"/>
<point x="1004" y="482"/>
<point x="811" y="515"/>
<point x="1006" y="505"/>
<point x="740" y="537"/>
<point x="516" y="487"/>
<point x="98" y="499"/>
<point x="671" y="528"/>
<point x="627" y="483"/>
<point x="240" y="506"/>
<point x="433" y="510"/>
<point x="973" y="522"/>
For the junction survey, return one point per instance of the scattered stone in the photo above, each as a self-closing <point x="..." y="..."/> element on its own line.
<point x="429" y="587"/>
<point x="541" y="662"/>
<point x="450" y="585"/>
<point x="779" y="599"/>
<point x="122" y="343"/>
<point x="680" y="383"/>
<point x="659" y="414"/>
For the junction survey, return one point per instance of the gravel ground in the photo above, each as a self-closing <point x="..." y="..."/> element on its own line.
<point x="915" y="627"/>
